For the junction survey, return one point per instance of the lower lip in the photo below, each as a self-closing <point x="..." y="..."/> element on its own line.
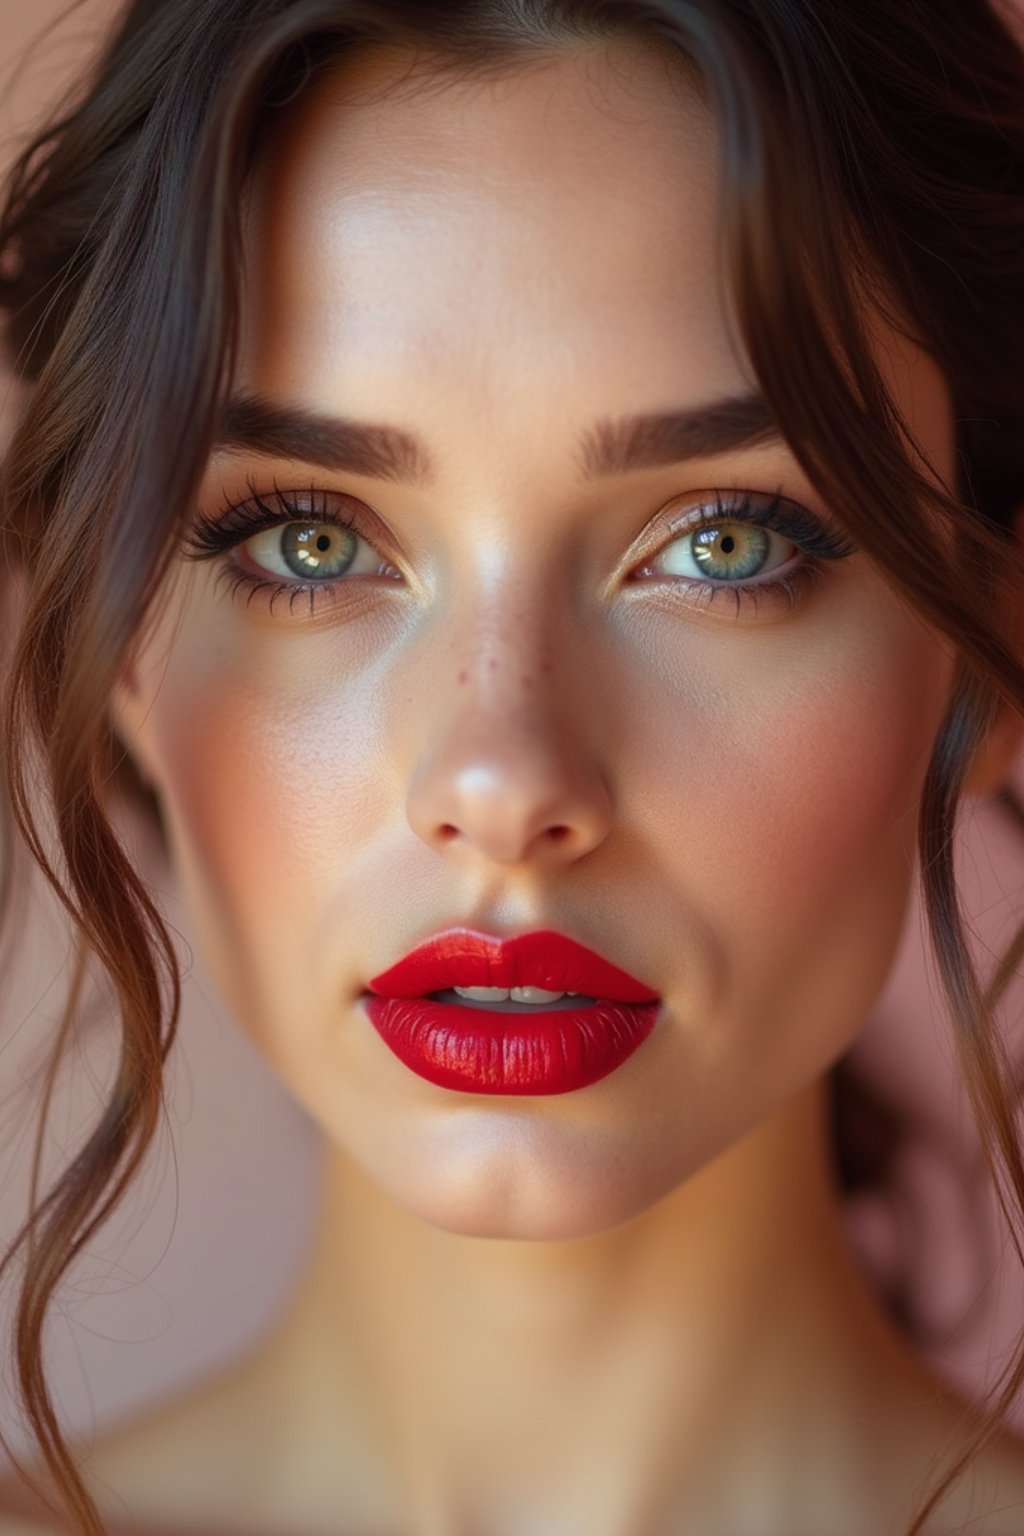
<point x="479" y="1050"/>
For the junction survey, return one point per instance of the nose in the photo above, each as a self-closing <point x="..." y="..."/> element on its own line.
<point x="507" y="775"/>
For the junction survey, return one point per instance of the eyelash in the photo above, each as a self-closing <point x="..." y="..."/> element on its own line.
<point x="214" y="537"/>
<point x="796" y="524"/>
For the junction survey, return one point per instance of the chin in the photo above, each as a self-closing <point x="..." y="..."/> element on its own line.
<point x="513" y="1177"/>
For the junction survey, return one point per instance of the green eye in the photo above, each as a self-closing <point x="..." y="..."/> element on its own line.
<point x="312" y="552"/>
<point x="734" y="550"/>
<point x="725" y="552"/>
<point x="316" y="550"/>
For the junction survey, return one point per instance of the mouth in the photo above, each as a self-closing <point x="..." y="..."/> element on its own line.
<point x="534" y="1014"/>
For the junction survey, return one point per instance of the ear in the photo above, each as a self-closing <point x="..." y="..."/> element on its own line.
<point x="996" y="756"/>
<point x="127" y="712"/>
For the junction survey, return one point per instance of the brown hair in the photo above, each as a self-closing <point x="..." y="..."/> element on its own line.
<point x="872" y="155"/>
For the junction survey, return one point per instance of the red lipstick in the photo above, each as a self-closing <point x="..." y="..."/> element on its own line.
<point x="510" y="1047"/>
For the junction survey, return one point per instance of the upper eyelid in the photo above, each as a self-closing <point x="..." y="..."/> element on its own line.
<point x="207" y="535"/>
<point x="800" y="525"/>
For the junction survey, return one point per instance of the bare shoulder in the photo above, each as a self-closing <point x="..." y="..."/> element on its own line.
<point x="219" y="1460"/>
<point x="133" y="1469"/>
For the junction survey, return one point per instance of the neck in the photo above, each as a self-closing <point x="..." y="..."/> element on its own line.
<point x="692" y="1348"/>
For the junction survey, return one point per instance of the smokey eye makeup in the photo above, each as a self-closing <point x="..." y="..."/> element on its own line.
<point x="295" y="550"/>
<point x="732" y="548"/>
<point x="291" y="546"/>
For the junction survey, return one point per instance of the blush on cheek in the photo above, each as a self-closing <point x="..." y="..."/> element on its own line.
<point x="266" y="806"/>
<point x="847" y="760"/>
<point x="221" y="821"/>
<point x="826" y="831"/>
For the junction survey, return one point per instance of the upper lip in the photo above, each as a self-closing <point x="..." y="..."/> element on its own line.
<point x="461" y="957"/>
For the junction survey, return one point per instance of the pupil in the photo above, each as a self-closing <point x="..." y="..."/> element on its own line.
<point x="727" y="553"/>
<point x="317" y="549"/>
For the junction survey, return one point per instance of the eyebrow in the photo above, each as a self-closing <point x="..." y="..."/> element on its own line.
<point x="610" y="447"/>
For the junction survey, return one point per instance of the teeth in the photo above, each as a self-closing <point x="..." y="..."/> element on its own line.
<point x="516" y="994"/>
<point x="534" y="995"/>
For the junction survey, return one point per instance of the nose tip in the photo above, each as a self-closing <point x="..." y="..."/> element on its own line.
<point x="513" y="797"/>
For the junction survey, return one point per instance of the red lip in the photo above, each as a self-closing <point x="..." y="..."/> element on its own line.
<point x="477" y="1049"/>
<point x="462" y="958"/>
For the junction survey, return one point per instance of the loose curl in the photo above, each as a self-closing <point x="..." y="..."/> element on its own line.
<point x="872" y="161"/>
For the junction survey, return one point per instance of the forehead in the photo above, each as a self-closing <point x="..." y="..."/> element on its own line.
<point x="520" y="227"/>
<point x="519" y="254"/>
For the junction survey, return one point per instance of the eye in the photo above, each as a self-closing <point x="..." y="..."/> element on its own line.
<point x="312" y="545"/>
<point x="724" y="551"/>
<point x="759" y="554"/>
<point x="311" y="552"/>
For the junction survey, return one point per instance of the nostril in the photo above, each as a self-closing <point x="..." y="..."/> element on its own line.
<point x="557" y="835"/>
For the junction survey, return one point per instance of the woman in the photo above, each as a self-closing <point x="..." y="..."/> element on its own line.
<point x="530" y="491"/>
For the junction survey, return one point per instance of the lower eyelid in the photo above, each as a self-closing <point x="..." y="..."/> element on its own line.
<point x="783" y="590"/>
<point x="779" y="593"/>
<point x="250" y="588"/>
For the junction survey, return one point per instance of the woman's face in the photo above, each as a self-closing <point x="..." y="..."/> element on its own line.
<point x="510" y="700"/>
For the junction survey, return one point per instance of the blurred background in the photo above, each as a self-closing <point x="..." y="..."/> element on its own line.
<point x="201" y="1256"/>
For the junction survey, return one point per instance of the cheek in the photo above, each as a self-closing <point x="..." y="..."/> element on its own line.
<point x="269" y="787"/>
<point x="794" y="835"/>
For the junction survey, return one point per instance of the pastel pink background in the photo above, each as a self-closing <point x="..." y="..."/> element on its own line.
<point x="202" y="1256"/>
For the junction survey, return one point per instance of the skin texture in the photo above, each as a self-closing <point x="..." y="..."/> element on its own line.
<point x="512" y="682"/>
<point x="513" y="729"/>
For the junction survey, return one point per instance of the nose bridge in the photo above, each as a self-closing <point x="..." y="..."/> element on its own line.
<point x="507" y="767"/>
